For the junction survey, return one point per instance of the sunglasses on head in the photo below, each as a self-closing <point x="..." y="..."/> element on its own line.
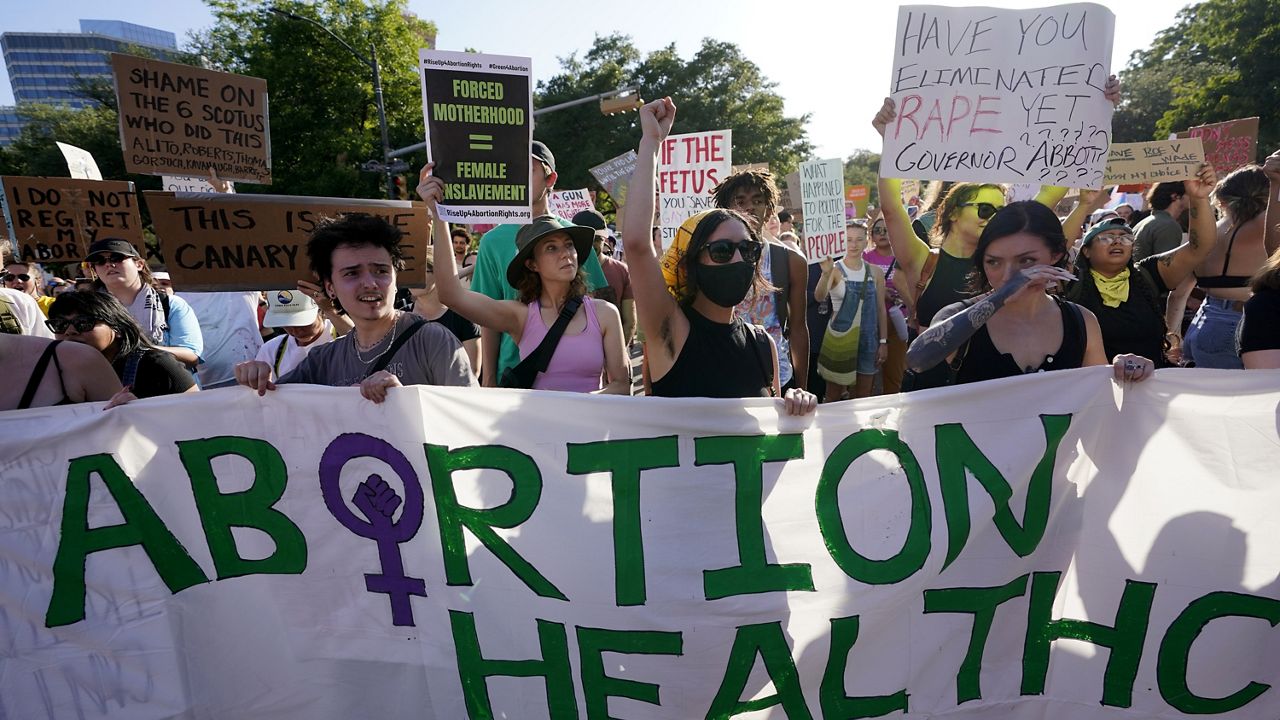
<point x="59" y="325"/>
<point x="10" y="277"/>
<point x="985" y="210"/>
<point x="721" y="251"/>
<point x="108" y="259"/>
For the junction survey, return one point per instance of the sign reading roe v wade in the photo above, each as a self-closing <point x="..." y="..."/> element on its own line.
<point x="182" y="120"/>
<point x="995" y="95"/>
<point x="478" y="111"/>
<point x="452" y="554"/>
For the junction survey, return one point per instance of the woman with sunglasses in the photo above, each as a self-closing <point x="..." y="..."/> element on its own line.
<point x="1016" y="326"/>
<point x="101" y="322"/>
<point x="880" y="253"/>
<point x="1126" y="296"/>
<point x="547" y="274"/>
<point x="695" y="343"/>
<point x="855" y="343"/>
<point x="168" y="322"/>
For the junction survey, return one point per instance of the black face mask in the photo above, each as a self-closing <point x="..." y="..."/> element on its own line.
<point x="726" y="285"/>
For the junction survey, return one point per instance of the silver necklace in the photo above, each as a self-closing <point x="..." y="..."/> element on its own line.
<point x="389" y="333"/>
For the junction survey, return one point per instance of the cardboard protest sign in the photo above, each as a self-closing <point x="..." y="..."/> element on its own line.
<point x="181" y="120"/>
<point x="758" y="167"/>
<point x="822" y="197"/>
<point x="478" y="111"/>
<point x="55" y="219"/>
<point x="181" y="183"/>
<point x="1047" y="547"/>
<point x="567" y="203"/>
<point x="791" y="192"/>
<point x="994" y="95"/>
<point x="1228" y="145"/>
<point x="689" y="167"/>
<point x="80" y="162"/>
<point x="1152" y="162"/>
<point x="615" y="175"/>
<point x="218" y="241"/>
<point x="856" y="199"/>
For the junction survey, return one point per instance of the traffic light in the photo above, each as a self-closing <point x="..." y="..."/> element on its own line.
<point x="402" y="190"/>
<point x="622" y="104"/>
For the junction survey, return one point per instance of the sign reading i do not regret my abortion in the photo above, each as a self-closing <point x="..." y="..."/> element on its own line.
<point x="478" y="112"/>
<point x="994" y="95"/>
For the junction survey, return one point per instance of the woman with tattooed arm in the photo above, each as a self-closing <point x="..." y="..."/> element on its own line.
<point x="1017" y="327"/>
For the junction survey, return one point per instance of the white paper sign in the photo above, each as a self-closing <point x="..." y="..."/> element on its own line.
<point x="1045" y="547"/>
<point x="689" y="167"/>
<point x="183" y="183"/>
<point x="80" y="162"/>
<point x="994" y="95"/>
<point x="567" y="203"/>
<point x="822" y="199"/>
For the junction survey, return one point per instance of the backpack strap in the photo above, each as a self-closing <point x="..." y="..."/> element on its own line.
<point x="164" y="305"/>
<point x="526" y="372"/>
<point x="926" y="274"/>
<point x="763" y="355"/>
<point x="37" y="374"/>
<point x="780" y="271"/>
<point x="280" y="355"/>
<point x="396" y="344"/>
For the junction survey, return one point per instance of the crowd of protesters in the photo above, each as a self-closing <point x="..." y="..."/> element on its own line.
<point x="960" y="286"/>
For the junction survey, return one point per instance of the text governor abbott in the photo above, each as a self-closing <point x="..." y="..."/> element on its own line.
<point x="478" y="128"/>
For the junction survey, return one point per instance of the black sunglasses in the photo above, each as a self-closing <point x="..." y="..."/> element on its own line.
<point x="109" y="258"/>
<point x="81" y="323"/>
<point x="985" y="210"/>
<point x="10" y="277"/>
<point x="721" y="251"/>
<point x="879" y="229"/>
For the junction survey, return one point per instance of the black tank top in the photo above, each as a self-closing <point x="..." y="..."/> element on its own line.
<point x="949" y="284"/>
<point x="37" y="374"/>
<point x="984" y="362"/>
<point x="1224" y="280"/>
<point x="717" y="361"/>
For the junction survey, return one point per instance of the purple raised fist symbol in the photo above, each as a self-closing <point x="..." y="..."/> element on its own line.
<point x="378" y="501"/>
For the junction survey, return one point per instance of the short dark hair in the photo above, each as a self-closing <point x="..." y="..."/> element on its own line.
<point x="785" y="216"/>
<point x="106" y="309"/>
<point x="1027" y="216"/>
<point x="353" y="230"/>
<point x="759" y="180"/>
<point x="1161" y="195"/>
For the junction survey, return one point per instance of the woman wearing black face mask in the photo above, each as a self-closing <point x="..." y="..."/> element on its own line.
<point x="695" y="345"/>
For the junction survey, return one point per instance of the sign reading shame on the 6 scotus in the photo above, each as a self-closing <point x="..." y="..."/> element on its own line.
<point x="478" y="113"/>
<point x="992" y="95"/>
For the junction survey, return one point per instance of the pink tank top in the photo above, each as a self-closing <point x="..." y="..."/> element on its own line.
<point x="578" y="362"/>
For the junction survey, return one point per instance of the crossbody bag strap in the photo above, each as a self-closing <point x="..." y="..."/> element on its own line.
<point x="395" y="345"/>
<point x="540" y="358"/>
<point x="926" y="274"/>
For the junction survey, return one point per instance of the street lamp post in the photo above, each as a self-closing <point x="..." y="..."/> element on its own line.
<point x="388" y="166"/>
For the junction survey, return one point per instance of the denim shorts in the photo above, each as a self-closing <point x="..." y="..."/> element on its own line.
<point x="1211" y="339"/>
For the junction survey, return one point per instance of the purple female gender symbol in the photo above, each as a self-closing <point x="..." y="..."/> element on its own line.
<point x="377" y="501"/>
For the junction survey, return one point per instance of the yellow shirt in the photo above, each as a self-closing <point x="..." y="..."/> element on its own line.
<point x="44" y="301"/>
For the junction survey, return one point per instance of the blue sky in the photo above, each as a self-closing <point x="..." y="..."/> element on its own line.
<point x="831" y="60"/>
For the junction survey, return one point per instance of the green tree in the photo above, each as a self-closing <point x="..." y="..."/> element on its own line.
<point x="324" y="122"/>
<point x="1236" y="43"/>
<point x="719" y="88"/>
<point x="863" y="168"/>
<point x="1149" y="92"/>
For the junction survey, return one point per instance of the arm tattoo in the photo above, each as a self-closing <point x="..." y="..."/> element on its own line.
<point x="945" y="337"/>
<point x="1194" y="237"/>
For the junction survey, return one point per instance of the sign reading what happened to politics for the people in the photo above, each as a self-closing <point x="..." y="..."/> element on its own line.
<point x="219" y="241"/>
<point x="822" y="202"/>
<point x="1045" y="547"/>
<point x="478" y="111"/>
<point x="994" y="95"/>
<point x="1153" y="162"/>
<point x="689" y="167"/>
<point x="55" y="219"/>
<point x="178" y="120"/>
<point x="1228" y="145"/>
<point x="567" y="203"/>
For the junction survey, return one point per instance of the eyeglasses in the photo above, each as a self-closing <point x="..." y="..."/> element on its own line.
<point x="108" y="259"/>
<point x="721" y="251"/>
<point x="10" y="277"/>
<point x="879" y="230"/>
<point x="1125" y="239"/>
<point x="81" y="323"/>
<point x="985" y="210"/>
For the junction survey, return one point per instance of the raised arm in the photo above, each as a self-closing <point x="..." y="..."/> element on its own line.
<point x="1178" y="264"/>
<point x="1271" y="235"/>
<point x="955" y="324"/>
<point x="909" y="250"/>
<point x="502" y="315"/>
<point x="664" y="326"/>
<point x="1090" y="201"/>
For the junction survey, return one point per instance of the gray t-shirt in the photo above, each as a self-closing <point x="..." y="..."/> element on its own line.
<point x="432" y="356"/>
<point x="1157" y="233"/>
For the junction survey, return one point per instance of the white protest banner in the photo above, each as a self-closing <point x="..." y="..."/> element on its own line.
<point x="80" y="162"/>
<point x="689" y="166"/>
<point x="822" y="201"/>
<point x="1153" y="162"/>
<point x="994" y="95"/>
<point x="312" y="555"/>
<point x="478" y="111"/>
<point x="182" y="183"/>
<point x="567" y="203"/>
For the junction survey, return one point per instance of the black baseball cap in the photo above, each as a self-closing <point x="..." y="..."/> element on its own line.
<point x="591" y="218"/>
<point x="111" y="245"/>
<point x="542" y="153"/>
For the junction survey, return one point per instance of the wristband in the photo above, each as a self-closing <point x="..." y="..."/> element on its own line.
<point x="884" y="341"/>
